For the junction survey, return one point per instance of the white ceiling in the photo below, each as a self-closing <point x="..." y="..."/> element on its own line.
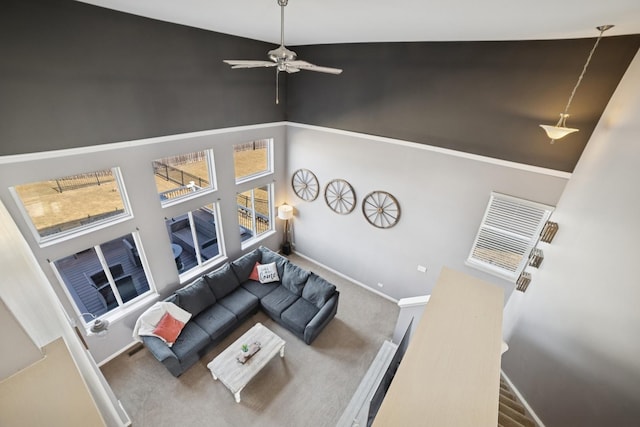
<point x="333" y="21"/>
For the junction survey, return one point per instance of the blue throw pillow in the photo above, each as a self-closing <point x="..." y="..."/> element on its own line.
<point x="222" y="281"/>
<point x="195" y="297"/>
<point x="243" y="266"/>
<point x="317" y="290"/>
<point x="294" y="278"/>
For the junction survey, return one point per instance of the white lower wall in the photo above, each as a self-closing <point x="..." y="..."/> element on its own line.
<point x="442" y="196"/>
<point x="573" y="343"/>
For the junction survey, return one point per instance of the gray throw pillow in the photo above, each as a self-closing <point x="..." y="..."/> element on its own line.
<point x="222" y="281"/>
<point x="243" y="266"/>
<point x="195" y="297"/>
<point x="294" y="278"/>
<point x="317" y="290"/>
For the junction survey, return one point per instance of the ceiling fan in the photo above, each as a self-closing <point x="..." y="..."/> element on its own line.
<point x="281" y="57"/>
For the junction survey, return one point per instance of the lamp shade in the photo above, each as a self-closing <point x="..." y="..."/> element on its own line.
<point x="285" y="212"/>
<point x="557" y="132"/>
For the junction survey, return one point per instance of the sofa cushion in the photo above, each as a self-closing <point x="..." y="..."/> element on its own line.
<point x="260" y="289"/>
<point x="216" y="321"/>
<point x="317" y="290"/>
<point x="195" y="297"/>
<point x="269" y="256"/>
<point x="278" y="301"/>
<point x="240" y="302"/>
<point x="298" y="315"/>
<point x="222" y="281"/>
<point x="192" y="339"/>
<point x="243" y="266"/>
<point x="294" y="278"/>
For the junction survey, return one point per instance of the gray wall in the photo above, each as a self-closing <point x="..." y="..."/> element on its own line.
<point x="485" y="98"/>
<point x="442" y="196"/>
<point x="73" y="75"/>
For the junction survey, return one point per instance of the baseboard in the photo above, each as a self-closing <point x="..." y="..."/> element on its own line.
<point x="118" y="353"/>
<point x="522" y="400"/>
<point x="344" y="276"/>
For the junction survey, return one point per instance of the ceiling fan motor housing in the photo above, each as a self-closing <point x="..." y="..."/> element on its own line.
<point x="282" y="54"/>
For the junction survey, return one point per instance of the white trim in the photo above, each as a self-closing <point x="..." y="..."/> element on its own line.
<point x="414" y="301"/>
<point x="344" y="276"/>
<point x="13" y="158"/>
<point x="470" y="156"/>
<point x="154" y="140"/>
<point x="522" y="400"/>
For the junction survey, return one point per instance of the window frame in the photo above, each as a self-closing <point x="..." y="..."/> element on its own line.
<point x="82" y="229"/>
<point x="258" y="237"/>
<point x="529" y="241"/>
<point x="268" y="171"/>
<point x="123" y="308"/>
<point x="210" y="158"/>
<point x="202" y="264"/>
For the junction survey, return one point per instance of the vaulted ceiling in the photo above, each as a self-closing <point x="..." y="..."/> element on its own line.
<point x="348" y="21"/>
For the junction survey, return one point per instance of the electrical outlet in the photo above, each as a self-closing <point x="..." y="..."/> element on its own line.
<point x="380" y="284"/>
<point x="422" y="269"/>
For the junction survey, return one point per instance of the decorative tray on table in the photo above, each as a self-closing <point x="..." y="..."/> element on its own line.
<point x="246" y="355"/>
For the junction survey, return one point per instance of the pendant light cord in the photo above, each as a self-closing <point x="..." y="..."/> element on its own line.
<point x="584" y="69"/>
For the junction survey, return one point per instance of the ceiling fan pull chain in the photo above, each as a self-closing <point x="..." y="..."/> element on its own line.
<point x="277" y="74"/>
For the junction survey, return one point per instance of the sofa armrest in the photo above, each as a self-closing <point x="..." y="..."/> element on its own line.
<point x="163" y="353"/>
<point x="321" y="319"/>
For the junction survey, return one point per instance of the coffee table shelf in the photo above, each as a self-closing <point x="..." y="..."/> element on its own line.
<point x="235" y="375"/>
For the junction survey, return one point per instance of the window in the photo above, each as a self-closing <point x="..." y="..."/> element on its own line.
<point x="182" y="176"/>
<point x="194" y="238"/>
<point x="104" y="277"/>
<point x="63" y="206"/>
<point x="252" y="159"/>
<point x="508" y="232"/>
<point x="254" y="212"/>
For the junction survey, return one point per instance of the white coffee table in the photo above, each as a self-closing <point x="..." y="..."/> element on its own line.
<point x="235" y="375"/>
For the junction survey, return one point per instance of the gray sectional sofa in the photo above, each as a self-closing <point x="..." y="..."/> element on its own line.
<point x="221" y="300"/>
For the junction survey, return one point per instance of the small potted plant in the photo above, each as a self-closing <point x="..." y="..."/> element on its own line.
<point x="245" y="348"/>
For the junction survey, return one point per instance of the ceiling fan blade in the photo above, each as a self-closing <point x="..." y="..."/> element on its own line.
<point x="304" y="65"/>
<point x="246" y="63"/>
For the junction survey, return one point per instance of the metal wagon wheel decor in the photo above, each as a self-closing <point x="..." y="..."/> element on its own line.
<point x="381" y="209"/>
<point x="340" y="196"/>
<point x="305" y="185"/>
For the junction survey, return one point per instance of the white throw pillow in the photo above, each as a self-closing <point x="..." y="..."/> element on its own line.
<point x="268" y="273"/>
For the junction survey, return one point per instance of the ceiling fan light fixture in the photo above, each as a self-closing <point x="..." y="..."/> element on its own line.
<point x="560" y="130"/>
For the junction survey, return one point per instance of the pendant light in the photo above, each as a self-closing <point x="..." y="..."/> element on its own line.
<point x="560" y="129"/>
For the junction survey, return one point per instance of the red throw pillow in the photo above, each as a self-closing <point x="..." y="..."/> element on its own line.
<point x="168" y="328"/>
<point x="254" y="273"/>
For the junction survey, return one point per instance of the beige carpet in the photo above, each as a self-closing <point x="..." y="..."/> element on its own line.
<point x="311" y="386"/>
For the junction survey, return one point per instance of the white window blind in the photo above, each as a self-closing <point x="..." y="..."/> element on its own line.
<point x="509" y="231"/>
